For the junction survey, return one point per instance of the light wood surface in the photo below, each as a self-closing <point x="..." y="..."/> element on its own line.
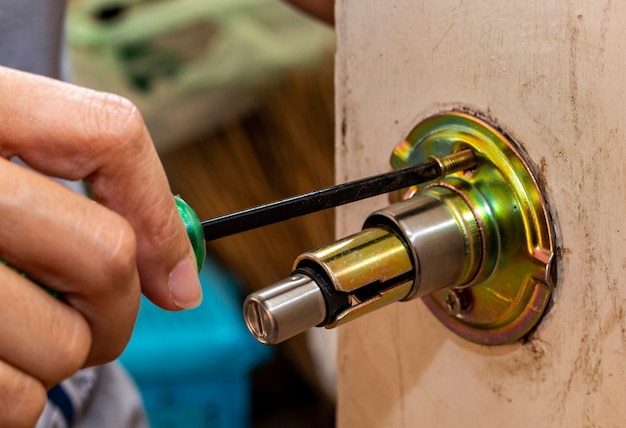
<point x="552" y="73"/>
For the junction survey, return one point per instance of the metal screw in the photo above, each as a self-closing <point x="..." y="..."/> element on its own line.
<point x="459" y="161"/>
<point x="454" y="301"/>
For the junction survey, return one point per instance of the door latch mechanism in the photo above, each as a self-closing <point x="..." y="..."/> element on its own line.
<point x="476" y="244"/>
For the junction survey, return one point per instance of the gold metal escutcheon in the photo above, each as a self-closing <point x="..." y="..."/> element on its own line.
<point x="511" y="289"/>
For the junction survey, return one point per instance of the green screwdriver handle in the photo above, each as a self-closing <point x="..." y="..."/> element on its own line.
<point x="194" y="230"/>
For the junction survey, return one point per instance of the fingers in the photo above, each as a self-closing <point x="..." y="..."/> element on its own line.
<point x="74" y="246"/>
<point x="42" y="342"/>
<point x="40" y="336"/>
<point x="22" y="398"/>
<point x="74" y="133"/>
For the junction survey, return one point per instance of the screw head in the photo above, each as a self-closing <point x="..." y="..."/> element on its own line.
<point x="454" y="301"/>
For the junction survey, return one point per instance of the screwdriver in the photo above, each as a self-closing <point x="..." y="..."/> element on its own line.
<point x="311" y="202"/>
<point x="334" y="196"/>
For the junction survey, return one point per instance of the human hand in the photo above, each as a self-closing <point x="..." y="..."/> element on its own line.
<point x="99" y="255"/>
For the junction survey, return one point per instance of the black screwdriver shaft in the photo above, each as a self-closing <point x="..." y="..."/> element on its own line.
<point x="319" y="200"/>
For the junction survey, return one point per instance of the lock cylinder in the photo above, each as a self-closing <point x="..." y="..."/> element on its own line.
<point x="425" y="243"/>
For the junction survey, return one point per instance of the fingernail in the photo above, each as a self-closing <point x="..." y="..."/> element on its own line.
<point x="184" y="285"/>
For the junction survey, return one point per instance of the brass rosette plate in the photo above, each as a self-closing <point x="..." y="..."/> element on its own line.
<point x="511" y="290"/>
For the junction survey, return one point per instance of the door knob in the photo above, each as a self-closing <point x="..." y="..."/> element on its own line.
<point x="477" y="245"/>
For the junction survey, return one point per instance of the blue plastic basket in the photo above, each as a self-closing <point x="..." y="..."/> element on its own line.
<point x="193" y="367"/>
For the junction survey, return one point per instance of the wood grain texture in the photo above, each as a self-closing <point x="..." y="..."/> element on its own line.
<point x="552" y="74"/>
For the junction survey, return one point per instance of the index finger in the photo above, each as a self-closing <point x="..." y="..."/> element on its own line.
<point x="75" y="133"/>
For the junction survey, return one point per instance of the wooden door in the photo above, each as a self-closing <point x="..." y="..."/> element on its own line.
<point x="553" y="74"/>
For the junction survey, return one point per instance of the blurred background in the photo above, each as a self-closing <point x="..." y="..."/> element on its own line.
<point x="238" y="96"/>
